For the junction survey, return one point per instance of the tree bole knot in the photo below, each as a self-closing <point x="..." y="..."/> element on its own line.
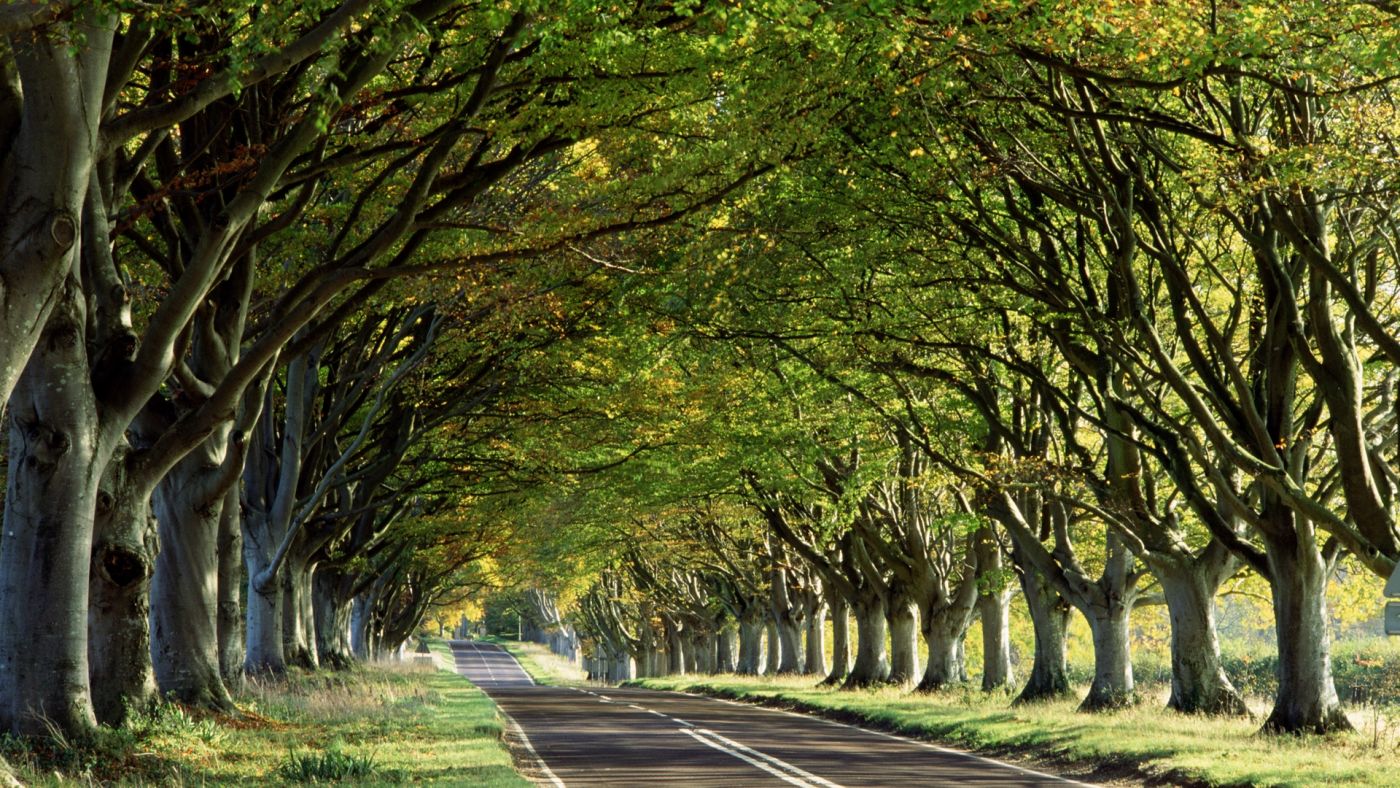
<point x="123" y="566"/>
<point x="105" y="502"/>
<point x="63" y="334"/>
<point x="59" y="443"/>
<point x="63" y="229"/>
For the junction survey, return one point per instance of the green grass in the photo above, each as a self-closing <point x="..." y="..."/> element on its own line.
<point x="1142" y="743"/>
<point x="370" y="726"/>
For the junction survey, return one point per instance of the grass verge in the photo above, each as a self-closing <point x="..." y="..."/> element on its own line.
<point x="381" y="725"/>
<point x="1144" y="743"/>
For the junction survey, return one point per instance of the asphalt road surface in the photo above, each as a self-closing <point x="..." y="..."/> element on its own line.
<point x="624" y="736"/>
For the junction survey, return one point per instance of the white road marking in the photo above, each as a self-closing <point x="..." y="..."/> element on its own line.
<point x="490" y="659"/>
<point x="775" y="766"/>
<point x="811" y="779"/>
<point x="905" y="739"/>
<point x="781" y="775"/>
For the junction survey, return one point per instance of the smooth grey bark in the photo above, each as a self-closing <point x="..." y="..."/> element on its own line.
<point x="123" y="554"/>
<point x="272" y="497"/>
<point x="1106" y="601"/>
<point x="189" y="506"/>
<point x="195" y="609"/>
<point x="332" y="608"/>
<point x="994" y="608"/>
<point x="872" y="663"/>
<point x="815" y="660"/>
<point x="840" y="639"/>
<point x="1049" y="676"/>
<point x="51" y="96"/>
<point x="904" y="639"/>
<point x="359" y="626"/>
<point x="945" y="659"/>
<point x="1199" y="683"/>
<point x="750" y="644"/>
<point x="772" y="647"/>
<point x="726" y="661"/>
<point x="229" y="618"/>
<point x="263" y="623"/>
<point x="789" y="642"/>
<point x="54" y="469"/>
<point x="702" y="646"/>
<point x="298" y="613"/>
<point x="786" y="611"/>
<point x="1307" y="699"/>
<point x="50" y="501"/>
<point x="1108" y="608"/>
<point x="675" y="646"/>
<point x="1113" y="665"/>
<point x="943" y="622"/>
<point x="620" y="667"/>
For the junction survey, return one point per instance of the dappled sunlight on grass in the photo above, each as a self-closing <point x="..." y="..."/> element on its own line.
<point x="1161" y="744"/>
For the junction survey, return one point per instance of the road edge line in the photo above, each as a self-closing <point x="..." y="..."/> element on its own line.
<point x="513" y="728"/>
<point x="516" y="730"/>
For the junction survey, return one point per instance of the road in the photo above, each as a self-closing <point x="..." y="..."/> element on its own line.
<point x="626" y="736"/>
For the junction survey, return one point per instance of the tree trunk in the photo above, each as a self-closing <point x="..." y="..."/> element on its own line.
<point x="1049" y="678"/>
<point x="328" y="589"/>
<point x="944" y="625"/>
<point x="50" y="501"/>
<point x="944" y="666"/>
<point x="1113" y="665"/>
<point x="789" y="631"/>
<point x="263" y="644"/>
<point x="1307" y="697"/>
<point x="359" y="627"/>
<point x="702" y="645"/>
<point x="750" y="645"/>
<point x="995" y="611"/>
<point x="872" y="665"/>
<point x="904" y="641"/>
<point x="840" y="640"/>
<point x="184" y="590"/>
<point x="298" y="617"/>
<point x="815" y="662"/>
<point x="725" y="661"/>
<point x="994" y="607"/>
<point x="230" y="610"/>
<point x="124" y="549"/>
<point x="675" y="647"/>
<point x="773" y="653"/>
<point x="620" y="666"/>
<point x="1199" y="683"/>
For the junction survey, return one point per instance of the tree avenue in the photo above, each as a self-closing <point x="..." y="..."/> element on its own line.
<point x="696" y="332"/>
